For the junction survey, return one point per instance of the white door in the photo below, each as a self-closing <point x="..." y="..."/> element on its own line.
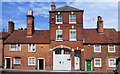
<point x="61" y="61"/>
<point x="77" y="60"/>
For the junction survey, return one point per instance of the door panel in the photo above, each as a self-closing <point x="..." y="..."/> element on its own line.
<point x="61" y="60"/>
<point x="77" y="60"/>
<point x="41" y="64"/>
<point x="8" y="63"/>
<point x="88" y="65"/>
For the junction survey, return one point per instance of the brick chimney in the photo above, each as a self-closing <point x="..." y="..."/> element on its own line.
<point x="3" y="30"/>
<point x="30" y="23"/>
<point x="100" y="25"/>
<point x="53" y="6"/>
<point x="11" y="26"/>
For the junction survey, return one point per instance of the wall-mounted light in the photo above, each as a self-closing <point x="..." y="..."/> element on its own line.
<point x="41" y="46"/>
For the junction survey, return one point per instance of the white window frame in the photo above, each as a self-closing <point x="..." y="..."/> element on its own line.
<point x="34" y="61"/>
<point x="16" y="49"/>
<point x="95" y="50"/>
<point x="70" y="18"/>
<point x="95" y="62"/>
<point x="56" y="34"/>
<point x="109" y="62"/>
<point x="31" y="48"/>
<point x="70" y="35"/>
<point x="111" y="51"/>
<point x="57" y="18"/>
<point x="17" y="63"/>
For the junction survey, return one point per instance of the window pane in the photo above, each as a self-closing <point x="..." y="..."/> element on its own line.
<point x="59" y="18"/>
<point x="111" y="47"/>
<point x="32" y="60"/>
<point x="72" y="18"/>
<point x="73" y="34"/>
<point x="59" y="34"/>
<point x="17" y="60"/>
<point x="97" y="47"/>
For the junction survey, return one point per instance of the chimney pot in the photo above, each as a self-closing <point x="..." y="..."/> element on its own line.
<point x="53" y="6"/>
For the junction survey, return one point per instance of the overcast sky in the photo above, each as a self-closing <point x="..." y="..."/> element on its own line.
<point x="18" y="11"/>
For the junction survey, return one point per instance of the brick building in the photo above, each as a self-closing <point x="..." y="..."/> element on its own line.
<point x="66" y="46"/>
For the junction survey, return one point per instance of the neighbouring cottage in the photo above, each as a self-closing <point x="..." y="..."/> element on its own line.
<point x="66" y="46"/>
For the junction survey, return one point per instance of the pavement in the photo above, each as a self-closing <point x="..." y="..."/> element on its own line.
<point x="15" y="71"/>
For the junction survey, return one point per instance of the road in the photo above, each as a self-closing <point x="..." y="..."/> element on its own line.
<point x="51" y="72"/>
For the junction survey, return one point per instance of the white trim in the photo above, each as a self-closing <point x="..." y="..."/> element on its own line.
<point x="111" y="51"/>
<point x="100" y="62"/>
<point x="109" y="62"/>
<point x="58" y="27"/>
<point x="86" y="66"/>
<point x="34" y="61"/>
<point x="69" y="19"/>
<point x="71" y="12"/>
<point x="97" y="51"/>
<point x="58" y="12"/>
<point x="10" y="62"/>
<point x="43" y="63"/>
<point x="59" y="22"/>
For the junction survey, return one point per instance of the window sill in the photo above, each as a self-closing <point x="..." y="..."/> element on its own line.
<point x="58" y="23"/>
<point x="111" y="51"/>
<point x="72" y="22"/>
<point x="97" y="52"/>
<point x="15" y="51"/>
<point x="112" y="66"/>
<point x="32" y="65"/>
<point x="58" y="40"/>
<point x="72" y="40"/>
<point x="97" y="66"/>
<point x="31" y="51"/>
<point x="17" y="64"/>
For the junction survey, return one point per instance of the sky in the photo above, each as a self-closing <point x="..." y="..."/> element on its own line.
<point x="18" y="11"/>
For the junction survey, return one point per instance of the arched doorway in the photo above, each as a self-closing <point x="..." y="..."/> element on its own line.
<point x="61" y="59"/>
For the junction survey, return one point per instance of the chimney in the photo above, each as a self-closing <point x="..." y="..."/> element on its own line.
<point x="3" y="30"/>
<point x="100" y="24"/>
<point x="30" y="23"/>
<point x="53" y="6"/>
<point x="11" y="26"/>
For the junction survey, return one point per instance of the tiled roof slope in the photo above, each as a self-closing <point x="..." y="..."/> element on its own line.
<point x="20" y="36"/>
<point x="4" y="35"/>
<point x="66" y="8"/>
<point x="92" y="36"/>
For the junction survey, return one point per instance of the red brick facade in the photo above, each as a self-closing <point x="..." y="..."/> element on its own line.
<point x="42" y="51"/>
<point x="45" y="41"/>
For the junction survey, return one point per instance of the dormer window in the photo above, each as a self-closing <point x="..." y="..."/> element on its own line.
<point x="58" y="19"/>
<point x="72" y="18"/>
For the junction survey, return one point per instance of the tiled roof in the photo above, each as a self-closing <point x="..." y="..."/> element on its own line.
<point x="20" y="36"/>
<point x="92" y="36"/>
<point x="66" y="8"/>
<point x="4" y="35"/>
